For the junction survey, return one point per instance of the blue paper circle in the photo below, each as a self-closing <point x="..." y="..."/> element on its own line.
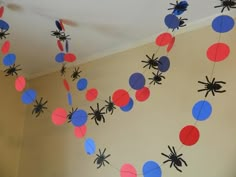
<point x="82" y="84"/>
<point x="28" y="96"/>
<point x="67" y="46"/>
<point x="222" y="24"/>
<point x="137" y="81"/>
<point x="163" y="64"/>
<point x="180" y="8"/>
<point x="202" y="110"/>
<point x="69" y="97"/>
<point x="79" y="118"/>
<point x="89" y="146"/>
<point x="151" y="169"/>
<point x="4" y="25"/>
<point x="58" y="24"/>
<point x="129" y="106"/>
<point x="60" y="57"/>
<point x="9" y="59"/>
<point x="172" y="21"/>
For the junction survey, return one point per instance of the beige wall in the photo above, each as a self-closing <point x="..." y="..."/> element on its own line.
<point x="146" y="131"/>
<point x="11" y="127"/>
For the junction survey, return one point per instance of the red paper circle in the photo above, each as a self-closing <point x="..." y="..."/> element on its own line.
<point x="171" y="44"/>
<point x="91" y="94"/>
<point x="1" y="11"/>
<point x="189" y="135"/>
<point x="142" y="94"/>
<point x="66" y="85"/>
<point x="80" y="131"/>
<point x="20" y="83"/>
<point x="60" y="46"/>
<point x="218" y="52"/>
<point x="62" y="25"/>
<point x="120" y="97"/>
<point x="69" y="57"/>
<point x="163" y="39"/>
<point x="127" y="170"/>
<point x="5" y="47"/>
<point x="59" y="116"/>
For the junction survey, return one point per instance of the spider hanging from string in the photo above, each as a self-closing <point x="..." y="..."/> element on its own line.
<point x="69" y="116"/>
<point x="64" y="37"/>
<point x="152" y="62"/>
<point x="175" y="159"/>
<point x="157" y="78"/>
<point x="110" y="106"/>
<point x="213" y="86"/>
<point x="101" y="158"/>
<point x="75" y="74"/>
<point x="39" y="107"/>
<point x="3" y="34"/>
<point x="63" y="70"/>
<point x="12" y="70"/>
<point x="181" y="23"/>
<point x="179" y="7"/>
<point x="226" y="4"/>
<point x="97" y="114"/>
<point x="57" y="33"/>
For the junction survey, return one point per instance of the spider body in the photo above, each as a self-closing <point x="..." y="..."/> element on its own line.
<point x="63" y="70"/>
<point x="151" y="62"/>
<point x="175" y="159"/>
<point x="181" y="23"/>
<point x="179" y="7"/>
<point x="69" y="116"/>
<point x="12" y="70"/>
<point x="64" y="37"/>
<point x="213" y="86"/>
<point x="75" y="74"/>
<point x="39" y="107"/>
<point x="57" y="33"/>
<point x="227" y="4"/>
<point x="97" y="114"/>
<point x="101" y="158"/>
<point x="3" y="34"/>
<point x="157" y="78"/>
<point x="110" y="106"/>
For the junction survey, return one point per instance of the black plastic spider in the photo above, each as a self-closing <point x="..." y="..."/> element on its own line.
<point x="175" y="159"/>
<point x="69" y="116"/>
<point x="213" y="86"/>
<point x="3" y="34"/>
<point x="101" y="158"/>
<point x="156" y="79"/>
<point x="64" y="37"/>
<point x="57" y="33"/>
<point x="75" y="73"/>
<point x="181" y="23"/>
<point x="179" y="7"/>
<point x="110" y="106"/>
<point x="227" y="4"/>
<point x="12" y="70"/>
<point x="97" y="114"/>
<point x="151" y="62"/>
<point x="63" y="70"/>
<point x="39" y="107"/>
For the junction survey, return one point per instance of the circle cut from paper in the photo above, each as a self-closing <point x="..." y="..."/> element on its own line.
<point x="9" y="59"/>
<point x="127" y="170"/>
<point x="1" y="11"/>
<point x="62" y="25"/>
<point x="171" y="44"/>
<point x="82" y="84"/>
<point x="69" y="57"/>
<point x="20" y="83"/>
<point x="66" y="85"/>
<point x="189" y="135"/>
<point x="89" y="146"/>
<point x="59" y="116"/>
<point x="163" y="64"/>
<point x="163" y="39"/>
<point x="91" y="94"/>
<point x="120" y="97"/>
<point x="182" y="7"/>
<point x="28" y="96"/>
<point x="223" y="24"/>
<point x="202" y="110"/>
<point x="5" y="47"/>
<point x="172" y="21"/>
<point x="69" y="98"/>
<point x="4" y="25"/>
<point x="58" y="25"/>
<point x="80" y="131"/>
<point x="79" y="118"/>
<point x="67" y="46"/>
<point x="142" y="94"/>
<point x="129" y="106"/>
<point x="60" y="57"/>
<point x="60" y="46"/>
<point x="151" y="169"/>
<point x="218" y="52"/>
<point x="137" y="81"/>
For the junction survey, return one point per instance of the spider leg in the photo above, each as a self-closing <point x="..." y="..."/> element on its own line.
<point x="179" y="155"/>
<point x="96" y="121"/>
<point x="177" y="168"/>
<point x="165" y="155"/>
<point x="220" y="82"/>
<point x="183" y="161"/>
<point x="222" y="9"/>
<point x="99" y="165"/>
<point x="202" y="89"/>
<point x="202" y="82"/>
<point x="95" y="159"/>
<point x="220" y="91"/>
<point x="100" y="152"/>
<point x="228" y="8"/>
<point x="212" y="91"/>
<point x="207" y="93"/>
<point x="170" y="150"/>
<point x="106" y="161"/>
<point x="174" y="150"/>
<point x="103" y="151"/>
<point x="167" y="161"/>
<point x="218" y="6"/>
<point x="103" y="118"/>
<point x="171" y="164"/>
<point x="108" y="156"/>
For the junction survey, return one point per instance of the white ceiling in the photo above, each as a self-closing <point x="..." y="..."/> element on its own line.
<point x="103" y="28"/>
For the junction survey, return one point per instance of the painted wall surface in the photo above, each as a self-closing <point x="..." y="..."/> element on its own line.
<point x="11" y="127"/>
<point x="142" y="134"/>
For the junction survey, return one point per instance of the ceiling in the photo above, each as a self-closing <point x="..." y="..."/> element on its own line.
<point x="100" y="28"/>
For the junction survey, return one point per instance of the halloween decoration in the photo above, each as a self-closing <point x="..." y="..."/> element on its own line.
<point x="39" y="107"/>
<point x="97" y="114"/>
<point x="63" y="70"/>
<point x="110" y="106"/>
<point x="101" y="158"/>
<point x="157" y="78"/>
<point x="12" y="70"/>
<point x="3" y="34"/>
<point x="69" y="116"/>
<point x="181" y="23"/>
<point x="175" y="159"/>
<point x="75" y="74"/>
<point x="227" y="4"/>
<point x="57" y="33"/>
<point x="151" y="62"/>
<point x="213" y="86"/>
<point x="179" y="7"/>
